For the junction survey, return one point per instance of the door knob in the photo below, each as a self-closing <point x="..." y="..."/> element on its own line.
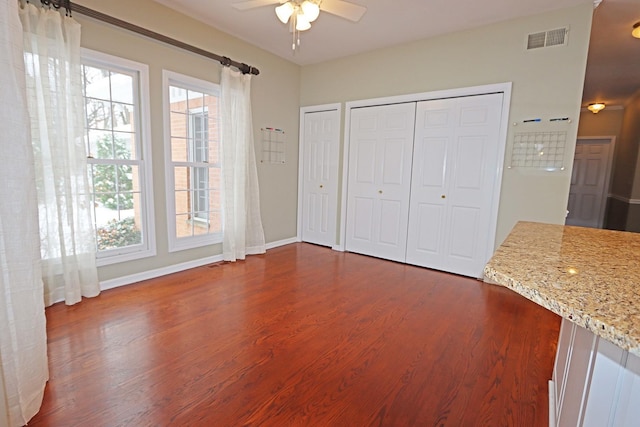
<point x="443" y="196"/>
<point x="321" y="186"/>
<point x="380" y="191"/>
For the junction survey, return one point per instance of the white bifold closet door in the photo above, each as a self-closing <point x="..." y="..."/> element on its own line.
<point x="455" y="160"/>
<point x="380" y="151"/>
<point x="422" y="182"/>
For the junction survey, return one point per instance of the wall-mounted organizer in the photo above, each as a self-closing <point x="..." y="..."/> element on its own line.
<point x="273" y="146"/>
<point x="539" y="150"/>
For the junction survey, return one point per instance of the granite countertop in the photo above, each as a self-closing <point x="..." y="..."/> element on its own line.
<point x="588" y="276"/>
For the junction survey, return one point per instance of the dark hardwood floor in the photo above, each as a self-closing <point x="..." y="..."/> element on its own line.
<point x="301" y="336"/>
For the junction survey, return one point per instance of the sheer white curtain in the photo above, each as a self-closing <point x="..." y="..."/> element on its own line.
<point x="23" y="341"/>
<point x="54" y="95"/>
<point x="242" y="230"/>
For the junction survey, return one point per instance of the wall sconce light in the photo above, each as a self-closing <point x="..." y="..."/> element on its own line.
<point x="596" y="107"/>
<point x="636" y="30"/>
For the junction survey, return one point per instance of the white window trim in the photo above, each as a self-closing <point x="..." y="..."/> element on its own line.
<point x="143" y="127"/>
<point x="192" y="83"/>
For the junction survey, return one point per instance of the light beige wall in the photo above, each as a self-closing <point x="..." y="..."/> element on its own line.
<point x="631" y="136"/>
<point x="546" y="83"/>
<point x="626" y="156"/>
<point x="630" y="180"/>
<point x="607" y="122"/>
<point x="275" y="103"/>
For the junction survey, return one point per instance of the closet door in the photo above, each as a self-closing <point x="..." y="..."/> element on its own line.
<point x="320" y="177"/>
<point x="380" y="150"/>
<point x="452" y="191"/>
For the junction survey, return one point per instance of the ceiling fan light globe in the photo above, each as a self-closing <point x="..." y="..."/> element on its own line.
<point x="302" y="23"/>
<point x="310" y="10"/>
<point x="284" y="12"/>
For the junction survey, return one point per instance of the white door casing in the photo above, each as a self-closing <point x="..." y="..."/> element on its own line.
<point x="319" y="156"/>
<point x="590" y="181"/>
<point x="381" y="144"/>
<point x="456" y="154"/>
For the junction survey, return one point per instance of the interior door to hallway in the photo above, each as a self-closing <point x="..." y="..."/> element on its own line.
<point x="321" y="140"/>
<point x="455" y="168"/>
<point x="589" y="182"/>
<point x="380" y="151"/>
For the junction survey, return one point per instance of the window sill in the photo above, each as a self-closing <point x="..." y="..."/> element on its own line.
<point x="192" y="242"/>
<point x="116" y="258"/>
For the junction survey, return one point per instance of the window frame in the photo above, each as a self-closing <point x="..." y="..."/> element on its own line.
<point x="142" y="120"/>
<point x="183" y="81"/>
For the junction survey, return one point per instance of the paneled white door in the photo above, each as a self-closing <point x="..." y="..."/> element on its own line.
<point x="380" y="151"/>
<point x="589" y="181"/>
<point x="321" y="142"/>
<point x="455" y="164"/>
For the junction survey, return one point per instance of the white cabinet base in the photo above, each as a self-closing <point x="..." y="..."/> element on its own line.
<point x="595" y="383"/>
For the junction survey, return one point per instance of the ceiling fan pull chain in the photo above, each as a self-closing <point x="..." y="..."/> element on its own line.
<point x="293" y="36"/>
<point x="294" y="32"/>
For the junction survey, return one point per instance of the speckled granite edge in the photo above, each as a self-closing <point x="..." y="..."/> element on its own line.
<point x="567" y="298"/>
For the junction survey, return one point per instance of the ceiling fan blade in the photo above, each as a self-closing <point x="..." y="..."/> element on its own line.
<point x="250" y="4"/>
<point x="343" y="9"/>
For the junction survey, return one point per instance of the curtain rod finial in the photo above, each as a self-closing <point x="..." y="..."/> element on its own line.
<point x="248" y="69"/>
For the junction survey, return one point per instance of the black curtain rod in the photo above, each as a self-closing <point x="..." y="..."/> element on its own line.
<point x="244" y="68"/>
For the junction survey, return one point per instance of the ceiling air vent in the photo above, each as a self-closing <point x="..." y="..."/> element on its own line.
<point x="549" y="38"/>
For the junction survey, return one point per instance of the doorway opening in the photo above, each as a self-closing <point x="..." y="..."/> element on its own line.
<point x="590" y="181"/>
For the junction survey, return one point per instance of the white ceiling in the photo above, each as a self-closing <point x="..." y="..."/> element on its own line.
<point x="386" y="23"/>
<point x="614" y="62"/>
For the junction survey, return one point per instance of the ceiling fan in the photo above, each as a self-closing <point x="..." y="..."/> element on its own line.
<point x="301" y="13"/>
<point x="341" y="8"/>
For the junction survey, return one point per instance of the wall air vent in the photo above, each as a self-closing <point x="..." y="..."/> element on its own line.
<point x="557" y="37"/>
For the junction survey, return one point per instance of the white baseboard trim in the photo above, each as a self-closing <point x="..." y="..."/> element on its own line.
<point x="552" y="404"/>
<point x="152" y="274"/>
<point x="282" y="242"/>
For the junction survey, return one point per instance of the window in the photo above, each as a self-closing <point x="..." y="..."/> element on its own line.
<point x="199" y="153"/>
<point x="117" y="138"/>
<point x="193" y="161"/>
